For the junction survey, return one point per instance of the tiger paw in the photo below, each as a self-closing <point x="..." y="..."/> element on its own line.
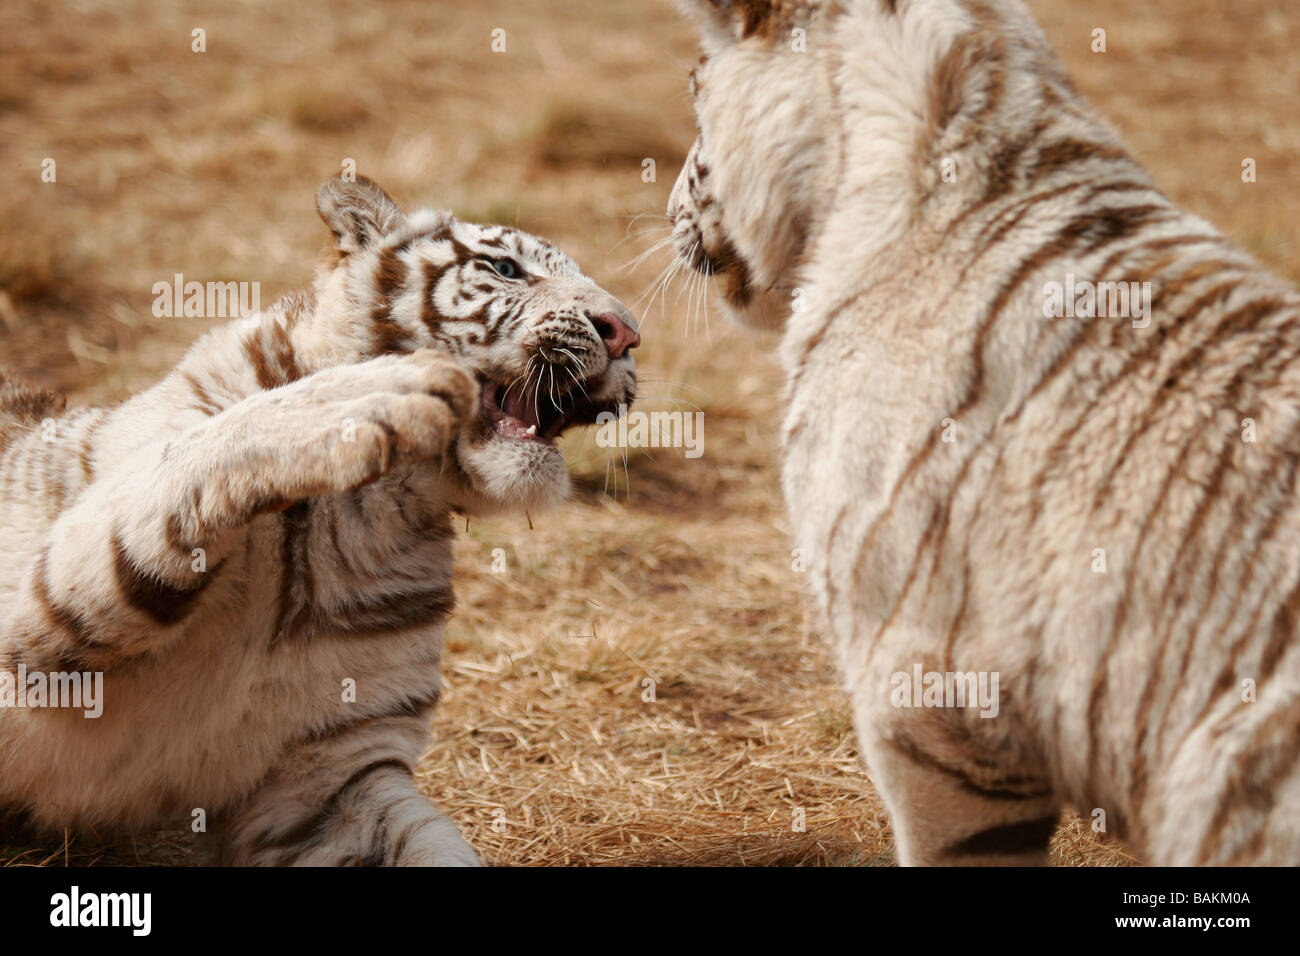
<point x="416" y="406"/>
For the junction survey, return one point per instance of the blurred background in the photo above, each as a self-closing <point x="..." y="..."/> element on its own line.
<point x="643" y="683"/>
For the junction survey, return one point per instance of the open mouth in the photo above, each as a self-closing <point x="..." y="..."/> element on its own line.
<point x="538" y="416"/>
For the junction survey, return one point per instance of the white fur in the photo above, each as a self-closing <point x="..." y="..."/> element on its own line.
<point x="270" y="525"/>
<point x="823" y="170"/>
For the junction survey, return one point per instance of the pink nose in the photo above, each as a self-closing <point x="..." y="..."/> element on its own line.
<point x="615" y="333"/>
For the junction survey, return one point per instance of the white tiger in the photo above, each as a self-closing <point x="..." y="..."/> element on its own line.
<point x="270" y="525"/>
<point x="1099" y="514"/>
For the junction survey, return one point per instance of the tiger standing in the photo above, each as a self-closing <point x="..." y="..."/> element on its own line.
<point x="1097" y="510"/>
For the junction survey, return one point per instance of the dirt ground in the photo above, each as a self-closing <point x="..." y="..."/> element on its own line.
<point x="663" y="568"/>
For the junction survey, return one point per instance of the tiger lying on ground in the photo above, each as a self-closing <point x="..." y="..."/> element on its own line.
<point x="1102" y="513"/>
<point x="273" y="520"/>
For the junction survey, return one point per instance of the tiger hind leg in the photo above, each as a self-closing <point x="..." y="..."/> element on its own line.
<point x="946" y="812"/>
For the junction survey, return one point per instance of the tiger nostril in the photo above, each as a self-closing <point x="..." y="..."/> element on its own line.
<point x="615" y="333"/>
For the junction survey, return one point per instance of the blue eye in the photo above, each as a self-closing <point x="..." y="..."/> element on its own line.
<point x="507" y="269"/>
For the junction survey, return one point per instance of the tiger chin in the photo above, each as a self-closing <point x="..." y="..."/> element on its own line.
<point x="1069" y="506"/>
<point x="256" y="553"/>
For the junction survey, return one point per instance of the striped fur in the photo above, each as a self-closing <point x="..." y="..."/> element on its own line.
<point x="273" y="520"/>
<point x="818" y="178"/>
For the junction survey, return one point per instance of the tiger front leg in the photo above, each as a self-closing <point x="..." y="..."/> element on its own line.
<point x="131" y="560"/>
<point x="348" y="800"/>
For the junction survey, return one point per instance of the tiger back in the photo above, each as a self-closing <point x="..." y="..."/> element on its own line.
<point x="1042" y="432"/>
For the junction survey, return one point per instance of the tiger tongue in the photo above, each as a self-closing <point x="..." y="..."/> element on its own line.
<point x="521" y="408"/>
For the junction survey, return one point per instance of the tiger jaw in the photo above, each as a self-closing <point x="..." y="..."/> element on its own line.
<point x="509" y="459"/>
<point x="516" y="415"/>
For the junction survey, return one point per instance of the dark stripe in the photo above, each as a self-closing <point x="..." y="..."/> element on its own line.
<point x="397" y="844"/>
<point x="418" y="705"/>
<point x="1015" y="214"/>
<point x="1282" y="634"/>
<point x="429" y="313"/>
<point x="1249" y="314"/>
<point x="1148" y="353"/>
<point x="1210" y="496"/>
<point x="165" y="603"/>
<point x="1054" y="157"/>
<point x="948" y="83"/>
<point x="1277" y="508"/>
<point x="1001" y="791"/>
<point x="390" y="274"/>
<point x="1005" y="160"/>
<point x="1012" y="216"/>
<point x="993" y="58"/>
<point x="1101" y="680"/>
<point x="378" y="823"/>
<point x="302" y="613"/>
<point x="295" y="571"/>
<point x="74" y="622"/>
<point x="936" y="526"/>
<point x="1213" y="297"/>
<point x="759" y="18"/>
<point x="1084" y="337"/>
<point x="1269" y="507"/>
<point x="733" y="270"/>
<point x="302" y="834"/>
<point x="174" y="533"/>
<point x="285" y="358"/>
<point x="266" y="379"/>
<point x="87" y="448"/>
<point x="954" y="629"/>
<point x="53" y="485"/>
<point x="1201" y="270"/>
<point x="829" y="559"/>
<point x="1092" y="230"/>
<point x="971" y="55"/>
<point x="1260" y="769"/>
<point x="1241" y="319"/>
<point x="1095" y="228"/>
<point x="1226" y="681"/>
<point x="342" y="555"/>
<point x="1121" y="186"/>
<point x="206" y="403"/>
<point x="1156" y="667"/>
<point x="389" y="612"/>
<point x="1008" y="839"/>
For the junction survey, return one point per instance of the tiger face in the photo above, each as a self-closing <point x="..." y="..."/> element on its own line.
<point x="744" y="205"/>
<point x="551" y="349"/>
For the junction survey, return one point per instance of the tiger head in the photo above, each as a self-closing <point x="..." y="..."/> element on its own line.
<point x="744" y="204"/>
<point x="550" y="348"/>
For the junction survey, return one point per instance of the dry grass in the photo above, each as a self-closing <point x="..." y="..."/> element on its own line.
<point x="545" y="751"/>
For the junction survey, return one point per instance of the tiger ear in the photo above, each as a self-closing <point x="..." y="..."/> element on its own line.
<point x="357" y="211"/>
<point x="723" y="22"/>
